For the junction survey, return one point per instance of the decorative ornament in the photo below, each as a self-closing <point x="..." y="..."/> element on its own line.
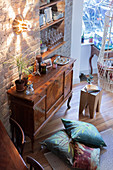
<point x="20" y="25"/>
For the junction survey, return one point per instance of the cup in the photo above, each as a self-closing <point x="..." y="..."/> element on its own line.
<point x="43" y="68"/>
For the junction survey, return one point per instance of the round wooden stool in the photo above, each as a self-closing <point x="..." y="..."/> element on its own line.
<point x="91" y="99"/>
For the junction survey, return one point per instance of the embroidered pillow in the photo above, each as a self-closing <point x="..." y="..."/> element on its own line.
<point x="61" y="145"/>
<point x="86" y="158"/>
<point x="83" y="132"/>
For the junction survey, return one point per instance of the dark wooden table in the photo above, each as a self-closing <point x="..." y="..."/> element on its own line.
<point x="10" y="159"/>
<point x="96" y="51"/>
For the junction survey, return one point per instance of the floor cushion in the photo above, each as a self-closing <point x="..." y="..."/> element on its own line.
<point x="86" y="158"/>
<point x="83" y="132"/>
<point x="61" y="145"/>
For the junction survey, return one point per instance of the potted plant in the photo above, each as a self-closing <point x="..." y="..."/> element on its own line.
<point x="19" y="83"/>
<point x="22" y="68"/>
<point x="26" y="73"/>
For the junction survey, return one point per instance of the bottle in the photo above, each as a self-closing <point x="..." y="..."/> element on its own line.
<point x="43" y="68"/>
<point x="82" y="38"/>
<point x="39" y="59"/>
<point x="35" y="66"/>
<point x="30" y="89"/>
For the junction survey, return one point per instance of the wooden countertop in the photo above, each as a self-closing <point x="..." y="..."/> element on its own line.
<point x="40" y="83"/>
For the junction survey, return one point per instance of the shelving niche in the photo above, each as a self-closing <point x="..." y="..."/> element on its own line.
<point x="53" y="26"/>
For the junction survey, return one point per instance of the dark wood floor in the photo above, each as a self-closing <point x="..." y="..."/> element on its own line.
<point x="102" y="120"/>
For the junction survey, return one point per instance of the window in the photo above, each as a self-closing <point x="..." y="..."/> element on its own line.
<point x="93" y="16"/>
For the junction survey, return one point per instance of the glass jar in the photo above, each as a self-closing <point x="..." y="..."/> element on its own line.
<point x="54" y="65"/>
<point x="30" y="89"/>
<point x="43" y="68"/>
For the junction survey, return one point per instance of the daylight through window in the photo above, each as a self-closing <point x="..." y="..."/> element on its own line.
<point x="93" y="16"/>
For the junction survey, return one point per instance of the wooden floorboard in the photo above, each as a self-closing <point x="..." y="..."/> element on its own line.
<point x="102" y="120"/>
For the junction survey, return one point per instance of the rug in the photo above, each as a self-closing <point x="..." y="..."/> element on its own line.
<point x="106" y="155"/>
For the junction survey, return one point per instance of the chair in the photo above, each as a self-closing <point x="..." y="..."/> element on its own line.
<point x="33" y="163"/>
<point x="18" y="137"/>
<point x="105" y="60"/>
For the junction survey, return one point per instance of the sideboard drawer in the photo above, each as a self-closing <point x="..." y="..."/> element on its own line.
<point x="68" y="69"/>
<point x="39" y="97"/>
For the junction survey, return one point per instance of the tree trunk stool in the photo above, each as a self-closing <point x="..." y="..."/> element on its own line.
<point x="91" y="99"/>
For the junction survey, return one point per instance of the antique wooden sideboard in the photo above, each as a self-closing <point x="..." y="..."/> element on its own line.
<point x="51" y="90"/>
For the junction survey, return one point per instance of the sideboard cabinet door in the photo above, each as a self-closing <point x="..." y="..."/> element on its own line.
<point x="39" y="113"/>
<point x="68" y="83"/>
<point x="54" y="91"/>
<point x="22" y="112"/>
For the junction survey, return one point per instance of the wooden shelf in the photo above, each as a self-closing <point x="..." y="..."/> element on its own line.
<point x="50" y="51"/>
<point x="59" y="23"/>
<point x="50" y="4"/>
<point x="52" y="23"/>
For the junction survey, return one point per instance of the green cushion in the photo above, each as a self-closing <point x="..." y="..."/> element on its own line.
<point x="60" y="144"/>
<point x="83" y="132"/>
<point x="86" y="158"/>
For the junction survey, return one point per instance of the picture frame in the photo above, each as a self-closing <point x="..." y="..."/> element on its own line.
<point x="48" y="63"/>
<point x="48" y="14"/>
<point x="42" y="19"/>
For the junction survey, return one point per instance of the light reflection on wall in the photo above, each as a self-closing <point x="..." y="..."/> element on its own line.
<point x="10" y="38"/>
<point x="11" y="13"/>
<point x="26" y="9"/>
<point x="28" y="40"/>
<point x="17" y="44"/>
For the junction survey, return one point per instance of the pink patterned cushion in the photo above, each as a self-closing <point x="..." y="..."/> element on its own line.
<point x="86" y="158"/>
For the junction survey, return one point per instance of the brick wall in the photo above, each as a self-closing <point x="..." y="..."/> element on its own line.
<point x="27" y="43"/>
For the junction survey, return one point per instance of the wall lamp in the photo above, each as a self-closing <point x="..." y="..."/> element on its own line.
<point x="20" y="25"/>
